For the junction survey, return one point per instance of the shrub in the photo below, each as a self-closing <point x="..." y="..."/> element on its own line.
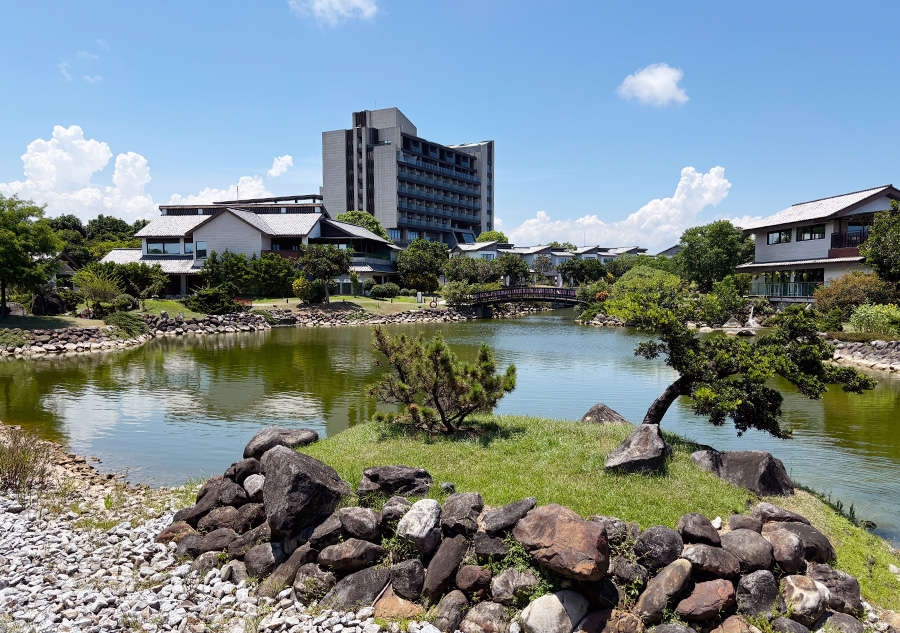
<point x="380" y="291"/>
<point x="70" y="298"/>
<point x="123" y="302"/>
<point x="212" y="301"/>
<point x="312" y="290"/>
<point x="368" y="284"/>
<point x="392" y="289"/>
<point x="649" y="285"/>
<point x="833" y="321"/>
<point x="855" y="289"/>
<point x="24" y="463"/>
<point x="456" y="292"/>
<point x="406" y="292"/>
<point x="877" y="319"/>
<point x="265" y="314"/>
<point x="131" y="324"/>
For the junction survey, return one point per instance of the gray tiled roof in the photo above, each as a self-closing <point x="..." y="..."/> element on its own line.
<point x="527" y="250"/>
<point x="171" y="225"/>
<point x="356" y="231"/>
<point x="475" y="246"/>
<point x="369" y="268"/>
<point x="274" y="224"/>
<point x="290" y="224"/>
<point x="253" y="219"/>
<point x="171" y="264"/>
<point x="817" y="209"/>
<point x="802" y="262"/>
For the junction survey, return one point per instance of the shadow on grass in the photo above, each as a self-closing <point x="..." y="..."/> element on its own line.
<point x="46" y="322"/>
<point x="484" y="433"/>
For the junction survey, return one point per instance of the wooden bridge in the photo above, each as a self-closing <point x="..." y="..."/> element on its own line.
<point x="524" y="293"/>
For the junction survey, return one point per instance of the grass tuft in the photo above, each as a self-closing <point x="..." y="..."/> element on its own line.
<point x="24" y="463"/>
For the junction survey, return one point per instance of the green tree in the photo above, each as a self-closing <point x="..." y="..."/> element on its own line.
<point x="709" y="253"/>
<point x="655" y="286"/>
<point x="541" y="265"/>
<point x="471" y="270"/>
<point x="107" y="227"/>
<point x="435" y="390"/>
<point x="28" y="247"/>
<point x="365" y="220"/>
<point x="99" y="284"/>
<point x="582" y="271"/>
<point x="273" y="275"/>
<point x="492" y="236"/>
<point x="726" y="377"/>
<point x="229" y="271"/>
<point x="325" y="262"/>
<point x="354" y="282"/>
<point x="142" y="280"/>
<point x="512" y="266"/>
<point x="68" y="222"/>
<point x="421" y="258"/>
<point x="566" y="246"/>
<point x="881" y="249"/>
<point x="856" y="288"/>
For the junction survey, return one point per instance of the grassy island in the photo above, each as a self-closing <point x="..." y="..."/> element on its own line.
<point x="562" y="462"/>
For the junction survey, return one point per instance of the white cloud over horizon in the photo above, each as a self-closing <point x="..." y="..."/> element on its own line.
<point x="280" y="165"/>
<point x="655" y="85"/>
<point x="656" y="225"/>
<point x="334" y="12"/>
<point x="59" y="173"/>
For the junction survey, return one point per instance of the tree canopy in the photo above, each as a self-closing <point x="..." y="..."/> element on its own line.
<point x="542" y="264"/>
<point x="365" y="220"/>
<point x="325" y="262"/>
<point x="492" y="236"/>
<point x="421" y="259"/>
<point x="881" y="249"/>
<point x="471" y="270"/>
<point x="514" y="267"/>
<point x="28" y="247"/>
<point x="582" y="271"/>
<point x="709" y="253"/>
<point x="566" y="246"/>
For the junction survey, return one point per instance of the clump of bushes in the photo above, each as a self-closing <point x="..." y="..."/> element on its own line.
<point x="384" y="291"/>
<point x="265" y="314"/>
<point x="312" y="290"/>
<point x="24" y="463"/>
<point x="368" y="284"/>
<point x="71" y="298"/>
<point x="854" y="289"/>
<point x="212" y="301"/>
<point x="406" y="292"/>
<point x="877" y="319"/>
<point x="129" y="323"/>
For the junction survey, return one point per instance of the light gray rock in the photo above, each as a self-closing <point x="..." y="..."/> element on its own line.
<point x="558" y="612"/>
<point x="805" y="601"/>
<point x="421" y="525"/>
<point x="511" y="586"/>
<point x="602" y="414"/>
<point x="253" y="484"/>
<point x="750" y="548"/>
<point x="485" y="617"/>
<point x="643" y="451"/>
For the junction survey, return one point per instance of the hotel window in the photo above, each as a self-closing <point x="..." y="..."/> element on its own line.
<point x="812" y="232"/>
<point x="487" y="256"/>
<point x="412" y="235"/>
<point x="394" y="234"/>
<point x="780" y="237"/>
<point x="201" y="249"/>
<point x="172" y="248"/>
<point x="155" y="248"/>
<point x="188" y="248"/>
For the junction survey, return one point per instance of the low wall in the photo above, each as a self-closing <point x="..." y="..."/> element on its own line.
<point x="881" y="355"/>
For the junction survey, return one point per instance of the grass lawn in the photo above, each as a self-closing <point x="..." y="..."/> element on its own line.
<point x="47" y="322"/>
<point x="155" y="306"/>
<point x="346" y="302"/>
<point x="562" y="462"/>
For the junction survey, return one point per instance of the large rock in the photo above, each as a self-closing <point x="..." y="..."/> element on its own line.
<point x="744" y="522"/>
<point x="804" y="600"/>
<point x="485" y="617"/>
<point x="361" y="523"/>
<point x="47" y="305"/>
<point x="696" y="528"/>
<point x="393" y="510"/>
<point x="628" y="573"/>
<point x="450" y="611"/>
<point x="512" y="587"/>
<point x="273" y="436"/>
<point x="602" y="414"/>
<point x="175" y="533"/>
<point x="490" y="547"/>
<point x="250" y="516"/>
<point x="782" y="624"/>
<point x="390" y="606"/>
<point x="474" y="581"/>
<point x="735" y="624"/>
<point x="215" y="493"/>
<point x="756" y="471"/>
<point x="460" y="513"/>
<point x="312" y="582"/>
<point x="816" y="546"/>
<point x="750" y="548"/>
<point x="843" y="589"/>
<point x="258" y="535"/>
<point x="557" y="612"/>
<point x="407" y="578"/>
<point x="617" y="531"/>
<point x="768" y="512"/>
<point x="615" y="621"/>
<point x="388" y="481"/>
<point x="707" y="600"/>
<point x="442" y="569"/>
<point x="328" y="532"/>
<point x="787" y="549"/>
<point x="223" y="517"/>
<point x="643" y="451"/>
<point x="840" y="622"/>
<point x="421" y="525"/>
<point x="564" y="543"/>
<point x="254" y="485"/>
<point x="658" y="546"/>
<point x="285" y="574"/>
<point x="299" y="491"/>
<point x="713" y="560"/>
<point x="505" y="518"/>
<point x="669" y="584"/>
<point x="262" y="560"/>
<point x="757" y="594"/>
<point x="217" y="540"/>
<point x="357" y="590"/>
<point x="350" y="555"/>
<point x="239" y="471"/>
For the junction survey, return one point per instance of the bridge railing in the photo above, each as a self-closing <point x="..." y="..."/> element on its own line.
<point x="525" y="293"/>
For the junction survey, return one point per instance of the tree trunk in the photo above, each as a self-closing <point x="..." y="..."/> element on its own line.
<point x="327" y="297"/>
<point x="659" y="407"/>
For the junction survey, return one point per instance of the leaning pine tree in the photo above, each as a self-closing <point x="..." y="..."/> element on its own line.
<point x="435" y="390"/>
<point x="726" y="377"/>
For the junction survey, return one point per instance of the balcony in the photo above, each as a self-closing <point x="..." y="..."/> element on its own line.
<point x="468" y="217"/>
<point x="439" y="197"/>
<point x="800" y="289"/>
<point x="284" y="253"/>
<point x="405" y="175"/>
<point x="435" y="168"/>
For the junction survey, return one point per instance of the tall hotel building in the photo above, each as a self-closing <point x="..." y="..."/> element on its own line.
<point x="416" y="188"/>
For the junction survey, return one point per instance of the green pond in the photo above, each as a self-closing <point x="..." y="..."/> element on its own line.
<point x="186" y="406"/>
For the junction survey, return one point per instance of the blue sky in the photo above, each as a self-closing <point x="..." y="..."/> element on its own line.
<point x="733" y="109"/>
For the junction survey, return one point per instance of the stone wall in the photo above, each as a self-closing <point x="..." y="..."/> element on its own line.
<point x="882" y="355"/>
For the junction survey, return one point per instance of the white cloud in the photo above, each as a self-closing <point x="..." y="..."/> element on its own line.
<point x="102" y="44"/>
<point x="64" y="69"/>
<point x="334" y="12"/>
<point x="655" y="85"/>
<point x="744" y="220"/>
<point x="249" y="186"/>
<point x="658" y="224"/>
<point x="92" y="79"/>
<point x="89" y="57"/>
<point x="280" y="165"/>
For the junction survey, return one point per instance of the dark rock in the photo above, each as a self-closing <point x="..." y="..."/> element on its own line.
<point x="350" y="555"/>
<point x="713" y="560"/>
<point x="750" y="548"/>
<point x="840" y="622"/>
<point x="816" y="546"/>
<point x="250" y="515"/>
<point x="361" y="523"/>
<point x="284" y="574"/>
<point x="785" y="625"/>
<point x="326" y="533"/>
<point x="767" y="513"/>
<point x="564" y="543"/>
<point x="485" y="617"/>
<point x="273" y="436"/>
<point x="474" y="581"/>
<point x="626" y="572"/>
<point x="490" y="548"/>
<point x="189" y="545"/>
<point x="357" y="590"/>
<point x="394" y="480"/>
<point x="843" y="587"/>
<point x="657" y="547"/>
<point x="47" y="305"/>
<point x="262" y="560"/>
<point x="442" y="568"/>
<point x="217" y="540"/>
<point x="787" y="549"/>
<point x="757" y="594"/>
<point x="805" y="602"/>
<point x="299" y="491"/>
<point x="312" y="582"/>
<point x="707" y="600"/>
<point x="511" y="587"/>
<point x="174" y="533"/>
<point x="616" y="529"/>
<point x="460" y="513"/>
<point x="602" y="594"/>
<point x="613" y="621"/>
<point x="450" y="611"/>
<point x="239" y="471"/>
<point x="257" y="536"/>
<point x="756" y="471"/>
<point x="505" y="518"/>
<point x="643" y="451"/>
<point x="744" y="522"/>
<point x="232" y="494"/>
<point x="226" y="516"/>
<point x="449" y="487"/>
<point x="669" y="584"/>
<point x="696" y="528"/>
<point x="556" y="612"/>
<point x="407" y="578"/>
<point x="393" y="511"/>
<point x="602" y="414"/>
<point x="207" y="499"/>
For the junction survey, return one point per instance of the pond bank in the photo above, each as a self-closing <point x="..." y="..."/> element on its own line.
<point x="878" y="355"/>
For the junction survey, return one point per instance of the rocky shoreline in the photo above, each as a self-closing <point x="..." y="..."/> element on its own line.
<point x="880" y="355"/>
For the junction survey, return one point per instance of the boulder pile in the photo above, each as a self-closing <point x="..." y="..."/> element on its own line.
<point x="275" y="516"/>
<point x="604" y="320"/>
<point x="882" y="355"/>
<point x="322" y="318"/>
